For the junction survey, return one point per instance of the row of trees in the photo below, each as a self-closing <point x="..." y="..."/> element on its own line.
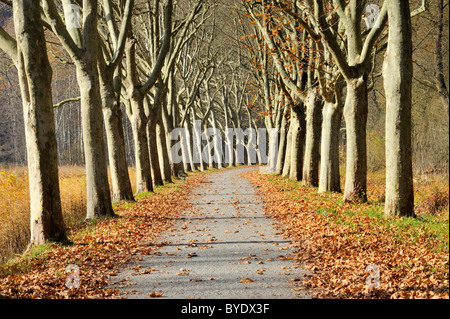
<point x="320" y="57"/>
<point x="148" y="67"/>
<point x="157" y="63"/>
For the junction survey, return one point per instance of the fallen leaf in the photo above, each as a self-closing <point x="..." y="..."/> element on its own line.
<point x="247" y="280"/>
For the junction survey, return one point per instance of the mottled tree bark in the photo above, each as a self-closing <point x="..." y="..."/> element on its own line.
<point x="287" y="157"/>
<point x="298" y="124"/>
<point x="282" y="143"/>
<point x="314" y="106"/>
<point x="355" y="113"/>
<point x="153" y="149"/>
<point x="110" y="86"/>
<point x="398" y="74"/>
<point x="98" y="192"/>
<point x="164" y="161"/>
<point x="35" y="75"/>
<point x="112" y="114"/>
<point x="329" y="180"/>
<point x="139" y="122"/>
<point x="137" y="94"/>
<point x="83" y="48"/>
<point x="354" y="64"/>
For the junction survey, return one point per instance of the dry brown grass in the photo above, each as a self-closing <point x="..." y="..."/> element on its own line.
<point x="15" y="211"/>
<point x="14" y="205"/>
<point x="15" y="200"/>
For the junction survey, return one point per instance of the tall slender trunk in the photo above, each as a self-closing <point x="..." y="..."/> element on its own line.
<point x="139" y="124"/>
<point x="217" y="142"/>
<point x="288" y="148"/>
<point x="355" y="114"/>
<point x="329" y="180"/>
<point x="98" y="192"/>
<point x="168" y="126"/>
<point x="209" y="148"/>
<point x="298" y="125"/>
<point x="312" y="146"/>
<point x="230" y="143"/>
<point x="197" y="141"/>
<point x="86" y="64"/>
<point x="164" y="160"/>
<point x="153" y="151"/>
<point x="112" y="114"/>
<point x="35" y="75"/>
<point x="282" y="143"/>
<point x="398" y="74"/>
<point x="169" y="117"/>
<point x="188" y="159"/>
<point x="442" y="86"/>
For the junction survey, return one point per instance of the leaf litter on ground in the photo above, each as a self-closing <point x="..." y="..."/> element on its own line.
<point x="99" y="249"/>
<point x="338" y="242"/>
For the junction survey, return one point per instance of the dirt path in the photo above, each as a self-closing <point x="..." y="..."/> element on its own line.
<point x="224" y="248"/>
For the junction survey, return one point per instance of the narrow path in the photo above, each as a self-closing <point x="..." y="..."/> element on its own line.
<point x="224" y="248"/>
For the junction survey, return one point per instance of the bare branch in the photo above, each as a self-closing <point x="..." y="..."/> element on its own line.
<point x="63" y="102"/>
<point x="165" y="47"/>
<point x="119" y="46"/>
<point x="59" y="29"/>
<point x="9" y="45"/>
<point x="374" y="34"/>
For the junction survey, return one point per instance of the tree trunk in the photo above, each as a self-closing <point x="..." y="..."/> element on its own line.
<point x="118" y="167"/>
<point x="288" y="148"/>
<point x="98" y="191"/>
<point x="35" y="75"/>
<point x="282" y="144"/>
<point x="168" y="126"/>
<point x="298" y="124"/>
<point x="398" y="74"/>
<point x="329" y="180"/>
<point x="312" y="145"/>
<point x="441" y="85"/>
<point x="188" y="159"/>
<point x="218" y="156"/>
<point x="197" y="142"/>
<point x="164" y="160"/>
<point x="153" y="151"/>
<point x="139" y="123"/>
<point x="355" y="113"/>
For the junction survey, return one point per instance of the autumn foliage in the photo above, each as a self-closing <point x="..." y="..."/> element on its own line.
<point x="97" y="247"/>
<point x="338" y="241"/>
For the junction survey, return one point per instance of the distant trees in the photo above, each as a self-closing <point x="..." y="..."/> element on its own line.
<point x="139" y="111"/>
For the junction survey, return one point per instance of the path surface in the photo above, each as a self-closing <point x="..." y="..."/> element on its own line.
<point x="226" y="248"/>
